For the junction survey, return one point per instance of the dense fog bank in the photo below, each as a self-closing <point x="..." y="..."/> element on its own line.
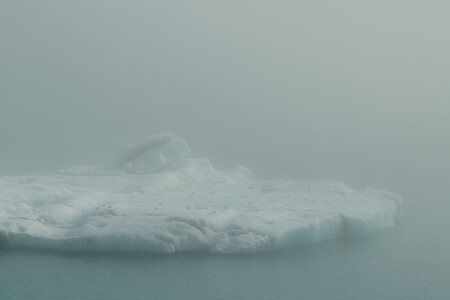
<point x="314" y="90"/>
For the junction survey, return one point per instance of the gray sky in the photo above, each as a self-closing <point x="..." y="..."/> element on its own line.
<point x="349" y="90"/>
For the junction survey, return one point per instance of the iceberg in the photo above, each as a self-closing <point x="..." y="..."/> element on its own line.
<point x="157" y="199"/>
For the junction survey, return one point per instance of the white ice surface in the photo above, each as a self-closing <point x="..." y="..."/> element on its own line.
<point x="189" y="206"/>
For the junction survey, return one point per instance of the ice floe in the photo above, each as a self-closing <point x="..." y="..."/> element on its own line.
<point x="157" y="199"/>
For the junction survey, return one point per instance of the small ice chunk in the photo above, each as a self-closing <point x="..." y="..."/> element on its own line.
<point x="157" y="153"/>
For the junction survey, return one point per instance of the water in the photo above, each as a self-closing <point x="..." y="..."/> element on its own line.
<point x="409" y="261"/>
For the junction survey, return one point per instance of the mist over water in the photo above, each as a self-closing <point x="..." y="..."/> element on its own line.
<point x="310" y="90"/>
<point x="304" y="90"/>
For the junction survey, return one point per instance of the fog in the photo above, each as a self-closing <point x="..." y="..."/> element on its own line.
<point x="308" y="90"/>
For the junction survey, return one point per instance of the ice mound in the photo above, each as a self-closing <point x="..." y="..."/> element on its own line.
<point x="159" y="200"/>
<point x="156" y="153"/>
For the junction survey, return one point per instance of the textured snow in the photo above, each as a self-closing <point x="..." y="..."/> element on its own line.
<point x="158" y="200"/>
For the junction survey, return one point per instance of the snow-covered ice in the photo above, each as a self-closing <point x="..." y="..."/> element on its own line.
<point x="159" y="200"/>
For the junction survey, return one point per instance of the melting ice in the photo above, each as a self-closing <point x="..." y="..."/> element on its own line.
<point x="156" y="199"/>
